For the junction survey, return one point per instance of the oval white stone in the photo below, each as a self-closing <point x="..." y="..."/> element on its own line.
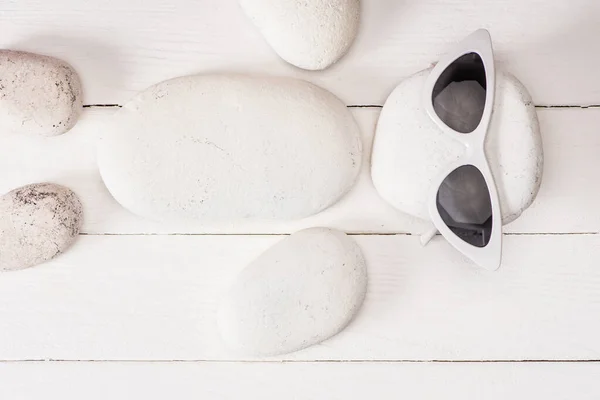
<point x="225" y="148"/>
<point x="310" y="34"/>
<point x="37" y="222"/>
<point x="303" y="290"/>
<point x="410" y="151"/>
<point x="38" y="94"/>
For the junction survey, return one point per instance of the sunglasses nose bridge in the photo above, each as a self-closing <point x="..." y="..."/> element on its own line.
<point x="474" y="146"/>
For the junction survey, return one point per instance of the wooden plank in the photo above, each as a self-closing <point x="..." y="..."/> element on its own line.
<point x="120" y="47"/>
<point x="155" y="298"/>
<point x="571" y="147"/>
<point x="339" y="381"/>
<point x="71" y="160"/>
<point x="566" y="203"/>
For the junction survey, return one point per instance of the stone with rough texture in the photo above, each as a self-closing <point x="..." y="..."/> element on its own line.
<point x="37" y="223"/>
<point x="230" y="147"/>
<point x="410" y="151"/>
<point x="303" y="290"/>
<point x="311" y="34"/>
<point x="38" y="94"/>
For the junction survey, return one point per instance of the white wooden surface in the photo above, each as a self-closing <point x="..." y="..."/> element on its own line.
<point x="566" y="202"/>
<point x="335" y="381"/>
<point x="155" y="298"/>
<point x="134" y="301"/>
<point x="124" y="46"/>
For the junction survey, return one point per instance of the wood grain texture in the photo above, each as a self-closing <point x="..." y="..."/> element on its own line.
<point x="155" y="298"/>
<point x="145" y="297"/>
<point x="566" y="202"/>
<point x="121" y="47"/>
<point x="275" y="381"/>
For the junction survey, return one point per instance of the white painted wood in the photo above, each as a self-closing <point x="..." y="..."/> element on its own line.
<point x="71" y="160"/>
<point x="120" y="47"/>
<point x="337" y="381"/>
<point x="156" y="298"/>
<point x="567" y="201"/>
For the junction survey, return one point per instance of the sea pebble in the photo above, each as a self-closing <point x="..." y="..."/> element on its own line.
<point x="229" y="147"/>
<point x="410" y="151"/>
<point x="37" y="223"/>
<point x="303" y="290"/>
<point x="38" y="94"/>
<point x="310" y="34"/>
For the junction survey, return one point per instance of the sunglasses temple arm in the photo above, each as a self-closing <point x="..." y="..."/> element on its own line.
<point x="427" y="236"/>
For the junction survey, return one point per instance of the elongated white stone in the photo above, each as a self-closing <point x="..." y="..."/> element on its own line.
<point x="228" y="147"/>
<point x="310" y="34"/>
<point x="300" y="292"/>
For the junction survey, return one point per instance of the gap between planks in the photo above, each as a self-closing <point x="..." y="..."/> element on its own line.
<point x="191" y="361"/>
<point x="348" y="233"/>
<point x="353" y="233"/>
<point x="542" y="106"/>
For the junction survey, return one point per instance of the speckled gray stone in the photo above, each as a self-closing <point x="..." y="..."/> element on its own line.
<point x="303" y="290"/>
<point x="38" y="94"/>
<point x="37" y="223"/>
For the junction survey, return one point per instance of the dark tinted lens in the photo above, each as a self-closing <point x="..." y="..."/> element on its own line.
<point x="459" y="93"/>
<point x="463" y="201"/>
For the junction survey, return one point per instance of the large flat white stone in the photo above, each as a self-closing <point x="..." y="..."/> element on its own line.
<point x="310" y="34"/>
<point x="38" y="94"/>
<point x="300" y="292"/>
<point x="410" y="151"/>
<point x="228" y="147"/>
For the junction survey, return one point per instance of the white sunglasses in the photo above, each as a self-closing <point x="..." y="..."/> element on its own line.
<point x="464" y="205"/>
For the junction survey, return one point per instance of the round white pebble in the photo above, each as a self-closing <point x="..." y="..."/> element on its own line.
<point x="310" y="34"/>
<point x="38" y="94"/>
<point x="303" y="290"/>
<point x="37" y="223"/>
<point x="410" y="151"/>
<point x="228" y="147"/>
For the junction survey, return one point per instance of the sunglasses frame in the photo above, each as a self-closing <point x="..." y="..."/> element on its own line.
<point x="490" y="256"/>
